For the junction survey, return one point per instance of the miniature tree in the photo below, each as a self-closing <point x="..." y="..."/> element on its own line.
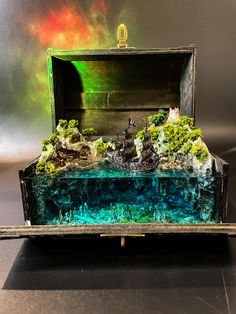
<point x="158" y="118"/>
<point x="73" y="123"/>
<point x="88" y="133"/>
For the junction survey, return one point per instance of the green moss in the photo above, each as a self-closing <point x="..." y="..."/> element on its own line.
<point x="154" y="133"/>
<point x="73" y="123"/>
<point x="184" y="120"/>
<point x="102" y="147"/>
<point x="186" y="148"/>
<point x="63" y="123"/>
<point x="173" y="147"/>
<point x="45" y="142"/>
<point x="169" y="131"/>
<point x="140" y="133"/>
<point x="200" y="152"/>
<point x="53" y="139"/>
<point x="195" y="134"/>
<point x="158" y="118"/>
<point x="88" y="132"/>
<point x="175" y="133"/>
<point x="176" y="137"/>
<point x="67" y="132"/>
<point x="40" y="166"/>
<point x="50" y="168"/>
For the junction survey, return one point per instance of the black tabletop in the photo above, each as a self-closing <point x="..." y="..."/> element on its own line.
<point x="168" y="274"/>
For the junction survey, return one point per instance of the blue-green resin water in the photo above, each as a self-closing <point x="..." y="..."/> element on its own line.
<point x="106" y="195"/>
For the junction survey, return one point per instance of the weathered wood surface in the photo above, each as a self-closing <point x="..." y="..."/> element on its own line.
<point x="115" y="229"/>
<point x="110" y="122"/>
<point x="69" y="55"/>
<point x="133" y="79"/>
<point x="124" y="100"/>
<point x="188" y="87"/>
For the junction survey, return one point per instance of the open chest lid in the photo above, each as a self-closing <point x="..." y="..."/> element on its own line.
<point x="103" y="88"/>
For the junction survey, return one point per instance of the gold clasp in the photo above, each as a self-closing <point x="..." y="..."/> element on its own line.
<point x="122" y="36"/>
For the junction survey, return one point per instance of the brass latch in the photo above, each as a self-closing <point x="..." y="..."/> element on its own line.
<point x="122" y="36"/>
<point x="122" y="236"/>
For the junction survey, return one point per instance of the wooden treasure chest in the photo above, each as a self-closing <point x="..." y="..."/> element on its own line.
<point x="107" y="90"/>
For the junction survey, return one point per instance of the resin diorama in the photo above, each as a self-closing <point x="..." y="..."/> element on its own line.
<point x="124" y="149"/>
<point x="162" y="173"/>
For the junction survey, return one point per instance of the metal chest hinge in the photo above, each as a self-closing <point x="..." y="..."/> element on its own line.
<point x="122" y="236"/>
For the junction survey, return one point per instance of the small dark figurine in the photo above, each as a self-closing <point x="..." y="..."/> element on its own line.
<point x="125" y="155"/>
<point x="128" y="150"/>
<point x="131" y="122"/>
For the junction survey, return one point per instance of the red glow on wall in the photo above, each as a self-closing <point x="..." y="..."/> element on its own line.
<point x="60" y="24"/>
<point x="72" y="27"/>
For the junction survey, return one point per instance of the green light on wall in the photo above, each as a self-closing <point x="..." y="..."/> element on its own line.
<point x="98" y="76"/>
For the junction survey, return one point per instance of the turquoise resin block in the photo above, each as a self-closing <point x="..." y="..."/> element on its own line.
<point x="106" y="195"/>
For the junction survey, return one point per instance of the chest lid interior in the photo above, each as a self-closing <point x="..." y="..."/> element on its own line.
<point x="103" y="88"/>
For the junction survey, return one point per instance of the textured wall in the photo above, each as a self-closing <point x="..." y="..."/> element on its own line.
<point x="29" y="27"/>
